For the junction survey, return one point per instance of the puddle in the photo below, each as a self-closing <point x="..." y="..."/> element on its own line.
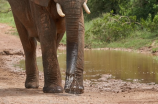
<point x="127" y="66"/>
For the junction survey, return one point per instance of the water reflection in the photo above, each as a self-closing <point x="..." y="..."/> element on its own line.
<point x="122" y="65"/>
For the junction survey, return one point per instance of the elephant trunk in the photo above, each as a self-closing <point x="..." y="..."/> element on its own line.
<point x="75" y="42"/>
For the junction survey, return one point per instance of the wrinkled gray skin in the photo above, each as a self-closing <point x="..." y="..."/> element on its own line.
<point x="39" y="20"/>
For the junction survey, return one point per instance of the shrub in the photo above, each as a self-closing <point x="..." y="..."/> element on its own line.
<point x="150" y="24"/>
<point x="110" y="28"/>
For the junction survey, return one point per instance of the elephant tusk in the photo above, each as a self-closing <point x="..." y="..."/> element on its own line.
<point x="59" y="10"/>
<point x="86" y="1"/>
<point x="86" y="8"/>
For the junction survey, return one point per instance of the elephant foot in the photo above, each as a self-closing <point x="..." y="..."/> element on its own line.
<point x="74" y="85"/>
<point x="53" y="89"/>
<point x="31" y="85"/>
<point x="74" y="89"/>
<point x="32" y="82"/>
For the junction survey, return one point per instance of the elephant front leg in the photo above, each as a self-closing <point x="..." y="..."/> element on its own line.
<point x="48" y="38"/>
<point x="52" y="76"/>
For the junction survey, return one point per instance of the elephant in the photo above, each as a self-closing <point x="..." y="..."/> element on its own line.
<point x="46" y="21"/>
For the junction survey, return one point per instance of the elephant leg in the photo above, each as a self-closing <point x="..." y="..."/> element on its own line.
<point x="48" y="38"/>
<point x="52" y="75"/>
<point x="29" y="46"/>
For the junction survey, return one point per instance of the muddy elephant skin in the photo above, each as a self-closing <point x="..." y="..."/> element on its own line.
<point x="38" y="20"/>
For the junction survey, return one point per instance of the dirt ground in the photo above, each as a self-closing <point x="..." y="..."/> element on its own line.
<point x="104" y="91"/>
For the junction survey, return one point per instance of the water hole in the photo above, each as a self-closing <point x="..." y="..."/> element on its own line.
<point x="128" y="66"/>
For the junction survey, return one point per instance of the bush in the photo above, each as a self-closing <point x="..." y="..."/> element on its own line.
<point x="150" y="24"/>
<point x="110" y="28"/>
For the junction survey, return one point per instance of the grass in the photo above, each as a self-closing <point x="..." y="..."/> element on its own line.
<point x="7" y="18"/>
<point x="133" y="43"/>
<point x="139" y="39"/>
<point x="63" y="41"/>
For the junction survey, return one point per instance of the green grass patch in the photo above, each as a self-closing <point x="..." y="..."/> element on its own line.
<point x="133" y="43"/>
<point x="7" y="18"/>
<point x="63" y="40"/>
<point x="137" y="40"/>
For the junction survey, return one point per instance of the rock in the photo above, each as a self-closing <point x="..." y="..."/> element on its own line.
<point x="2" y="53"/>
<point x="9" y="52"/>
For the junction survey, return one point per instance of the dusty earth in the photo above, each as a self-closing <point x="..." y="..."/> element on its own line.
<point x="104" y="91"/>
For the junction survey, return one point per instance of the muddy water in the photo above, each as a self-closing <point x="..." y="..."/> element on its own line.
<point x="127" y="66"/>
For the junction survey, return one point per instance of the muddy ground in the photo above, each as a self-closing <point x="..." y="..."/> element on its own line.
<point x="104" y="91"/>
